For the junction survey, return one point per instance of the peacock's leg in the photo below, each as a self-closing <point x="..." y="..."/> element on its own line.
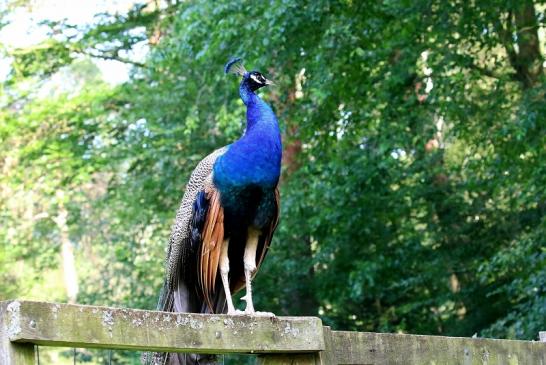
<point x="224" y="271"/>
<point x="250" y="267"/>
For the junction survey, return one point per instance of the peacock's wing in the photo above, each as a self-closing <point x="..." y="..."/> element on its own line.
<point x="237" y="284"/>
<point x="265" y="240"/>
<point x="210" y="245"/>
<point x="180" y="266"/>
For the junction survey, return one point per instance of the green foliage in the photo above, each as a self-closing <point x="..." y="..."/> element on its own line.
<point x="41" y="60"/>
<point x="413" y="192"/>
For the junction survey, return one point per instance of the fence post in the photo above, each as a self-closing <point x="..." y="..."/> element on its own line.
<point x="327" y="356"/>
<point x="12" y="353"/>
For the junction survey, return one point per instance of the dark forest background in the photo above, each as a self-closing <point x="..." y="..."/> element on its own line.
<point x="414" y="173"/>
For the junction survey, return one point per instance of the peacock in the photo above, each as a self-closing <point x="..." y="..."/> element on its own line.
<point x="226" y="219"/>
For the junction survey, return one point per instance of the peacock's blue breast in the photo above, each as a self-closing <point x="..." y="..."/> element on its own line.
<point x="249" y="162"/>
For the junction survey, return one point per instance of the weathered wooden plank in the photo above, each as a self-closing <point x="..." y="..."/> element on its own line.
<point x="392" y="349"/>
<point x="299" y="338"/>
<point x="327" y="356"/>
<point x="11" y="353"/>
<point x="92" y="326"/>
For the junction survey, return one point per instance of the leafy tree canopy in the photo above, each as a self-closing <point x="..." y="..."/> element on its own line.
<point x="413" y="189"/>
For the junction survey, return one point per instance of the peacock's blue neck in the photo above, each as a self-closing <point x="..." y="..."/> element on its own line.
<point x="258" y="113"/>
<point x="247" y="95"/>
<point x="254" y="159"/>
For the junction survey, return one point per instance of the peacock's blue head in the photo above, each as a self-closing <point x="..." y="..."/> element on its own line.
<point x="254" y="79"/>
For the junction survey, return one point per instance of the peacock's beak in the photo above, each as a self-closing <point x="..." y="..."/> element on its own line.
<point x="269" y="82"/>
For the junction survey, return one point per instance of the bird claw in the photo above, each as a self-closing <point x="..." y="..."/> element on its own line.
<point x="262" y="314"/>
<point x="249" y="311"/>
<point x="236" y="312"/>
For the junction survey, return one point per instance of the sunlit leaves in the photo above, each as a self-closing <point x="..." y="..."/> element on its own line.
<point x="416" y="199"/>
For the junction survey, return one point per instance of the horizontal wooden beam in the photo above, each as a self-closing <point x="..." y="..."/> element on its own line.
<point x="350" y="348"/>
<point x="280" y="340"/>
<point x="50" y="324"/>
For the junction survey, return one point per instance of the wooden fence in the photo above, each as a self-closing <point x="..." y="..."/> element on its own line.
<point x="277" y="340"/>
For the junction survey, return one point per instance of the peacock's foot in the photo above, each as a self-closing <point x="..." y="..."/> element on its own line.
<point x="236" y="312"/>
<point x="262" y="314"/>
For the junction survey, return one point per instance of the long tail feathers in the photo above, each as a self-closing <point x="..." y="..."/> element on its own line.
<point x="207" y="231"/>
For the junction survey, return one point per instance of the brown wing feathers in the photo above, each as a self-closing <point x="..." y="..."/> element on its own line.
<point x="211" y="246"/>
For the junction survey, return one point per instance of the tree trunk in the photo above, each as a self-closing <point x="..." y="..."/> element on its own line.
<point x="67" y="253"/>
<point x="526" y="58"/>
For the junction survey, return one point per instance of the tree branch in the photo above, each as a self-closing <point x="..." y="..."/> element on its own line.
<point x="111" y="56"/>
<point x="483" y="70"/>
<point x="468" y="61"/>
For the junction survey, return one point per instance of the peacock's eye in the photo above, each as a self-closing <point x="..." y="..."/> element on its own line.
<point x="258" y="78"/>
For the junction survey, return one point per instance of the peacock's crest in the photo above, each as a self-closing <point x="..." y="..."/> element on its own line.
<point x="235" y="66"/>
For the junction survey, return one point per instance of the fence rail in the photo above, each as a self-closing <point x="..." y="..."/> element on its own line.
<point x="278" y="340"/>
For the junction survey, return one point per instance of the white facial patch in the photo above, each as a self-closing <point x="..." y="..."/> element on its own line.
<point x="256" y="80"/>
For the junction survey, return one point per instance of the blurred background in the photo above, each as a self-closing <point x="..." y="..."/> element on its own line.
<point x="414" y="174"/>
